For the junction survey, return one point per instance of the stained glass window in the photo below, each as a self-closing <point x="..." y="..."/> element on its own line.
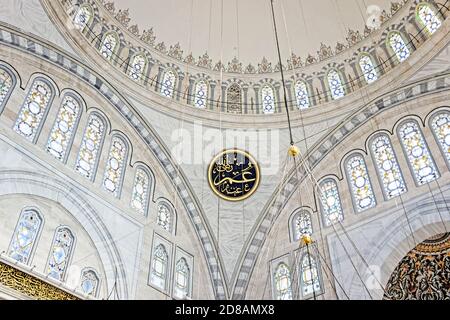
<point x="89" y="282"/>
<point x="335" y="84"/>
<point x="60" y="253"/>
<point x="109" y="44"/>
<point x="417" y="152"/>
<point x="330" y="202"/>
<point x="165" y="217"/>
<point x="25" y="235"/>
<point x="268" y="99"/>
<point x="302" y="224"/>
<point x="368" y="68"/>
<point x="90" y="146"/>
<point x="6" y="83"/>
<point x="398" y="45"/>
<point x="158" y="273"/>
<point x="137" y="67"/>
<point x="168" y="84"/>
<point x="201" y="94"/>
<point x="234" y="98"/>
<point x="301" y="94"/>
<point x="82" y="17"/>
<point x="387" y="166"/>
<point x="37" y="102"/>
<point x="282" y="281"/>
<point x="360" y="185"/>
<point x="182" y="279"/>
<point x="441" y="129"/>
<point x="309" y="277"/>
<point x="428" y="18"/>
<point x="115" y="166"/>
<point x="63" y="130"/>
<point x="141" y="190"/>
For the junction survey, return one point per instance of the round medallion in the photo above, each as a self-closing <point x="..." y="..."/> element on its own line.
<point x="233" y="175"/>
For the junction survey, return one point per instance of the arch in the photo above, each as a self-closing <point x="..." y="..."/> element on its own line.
<point x="91" y="145"/>
<point x="426" y="16"/>
<point x="109" y="45"/>
<point x="61" y="252"/>
<point x="65" y="126"/>
<point x="159" y="271"/>
<point x="166" y="215"/>
<point x="90" y="282"/>
<point x="143" y="187"/>
<point x="75" y="203"/>
<point x="138" y="66"/>
<point x="367" y="67"/>
<point x="182" y="279"/>
<point x="310" y="276"/>
<point x="335" y="84"/>
<point x="330" y="202"/>
<point x="34" y="109"/>
<point x="300" y="223"/>
<point x="7" y="84"/>
<point x="234" y="98"/>
<point x="359" y="182"/>
<point x="302" y="94"/>
<point x="169" y="80"/>
<point x="282" y="282"/>
<point x="83" y="17"/>
<point x="201" y="92"/>
<point x="417" y="153"/>
<point x="439" y="122"/>
<point x="116" y="164"/>
<point x="268" y="100"/>
<point x="397" y="45"/>
<point x="26" y="234"/>
<point x="387" y="167"/>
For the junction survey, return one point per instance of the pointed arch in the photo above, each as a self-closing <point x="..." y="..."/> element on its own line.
<point x="300" y="224"/>
<point x="7" y="84"/>
<point x="159" y="269"/>
<point x="116" y="165"/>
<point x="138" y="66"/>
<point x="142" y="189"/>
<point x="60" y="253"/>
<point x="90" y="282"/>
<point x="310" y="277"/>
<point x="83" y="17"/>
<point x="282" y="282"/>
<point x="166" y="216"/>
<point x="169" y="80"/>
<point x="440" y="125"/>
<point x="109" y="45"/>
<point x="330" y="202"/>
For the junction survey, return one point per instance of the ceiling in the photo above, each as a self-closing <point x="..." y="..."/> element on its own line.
<point x="246" y="30"/>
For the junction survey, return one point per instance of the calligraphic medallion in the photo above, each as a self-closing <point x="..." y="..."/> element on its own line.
<point x="234" y="175"/>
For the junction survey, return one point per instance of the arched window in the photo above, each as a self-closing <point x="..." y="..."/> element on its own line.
<point x="158" y="272"/>
<point x="201" y="94"/>
<point x="301" y="224"/>
<point x="368" y="68"/>
<point x="90" y="146"/>
<point x="137" y="67"/>
<point x="335" y="84"/>
<point x="309" y="277"/>
<point x="330" y="202"/>
<point x="141" y="191"/>
<point x="89" y="282"/>
<point x="440" y="124"/>
<point x="109" y="45"/>
<point x="387" y="166"/>
<point x="6" y="87"/>
<point x="115" y="167"/>
<point x="399" y="46"/>
<point x="34" y="109"/>
<point x="165" y="217"/>
<point x="426" y="16"/>
<point x="301" y="94"/>
<point x="82" y="17"/>
<point x="282" y="282"/>
<point x="234" y="98"/>
<point x="359" y="182"/>
<point x="420" y="161"/>
<point x="168" y="83"/>
<point x="25" y="235"/>
<point x="268" y="99"/>
<point x="60" y="253"/>
<point x="62" y="133"/>
<point x="182" y="281"/>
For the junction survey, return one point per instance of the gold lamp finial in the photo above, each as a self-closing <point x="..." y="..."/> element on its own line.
<point x="306" y="239"/>
<point x="294" y="151"/>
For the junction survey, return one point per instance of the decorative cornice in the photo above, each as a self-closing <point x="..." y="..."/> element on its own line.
<point x="235" y="66"/>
